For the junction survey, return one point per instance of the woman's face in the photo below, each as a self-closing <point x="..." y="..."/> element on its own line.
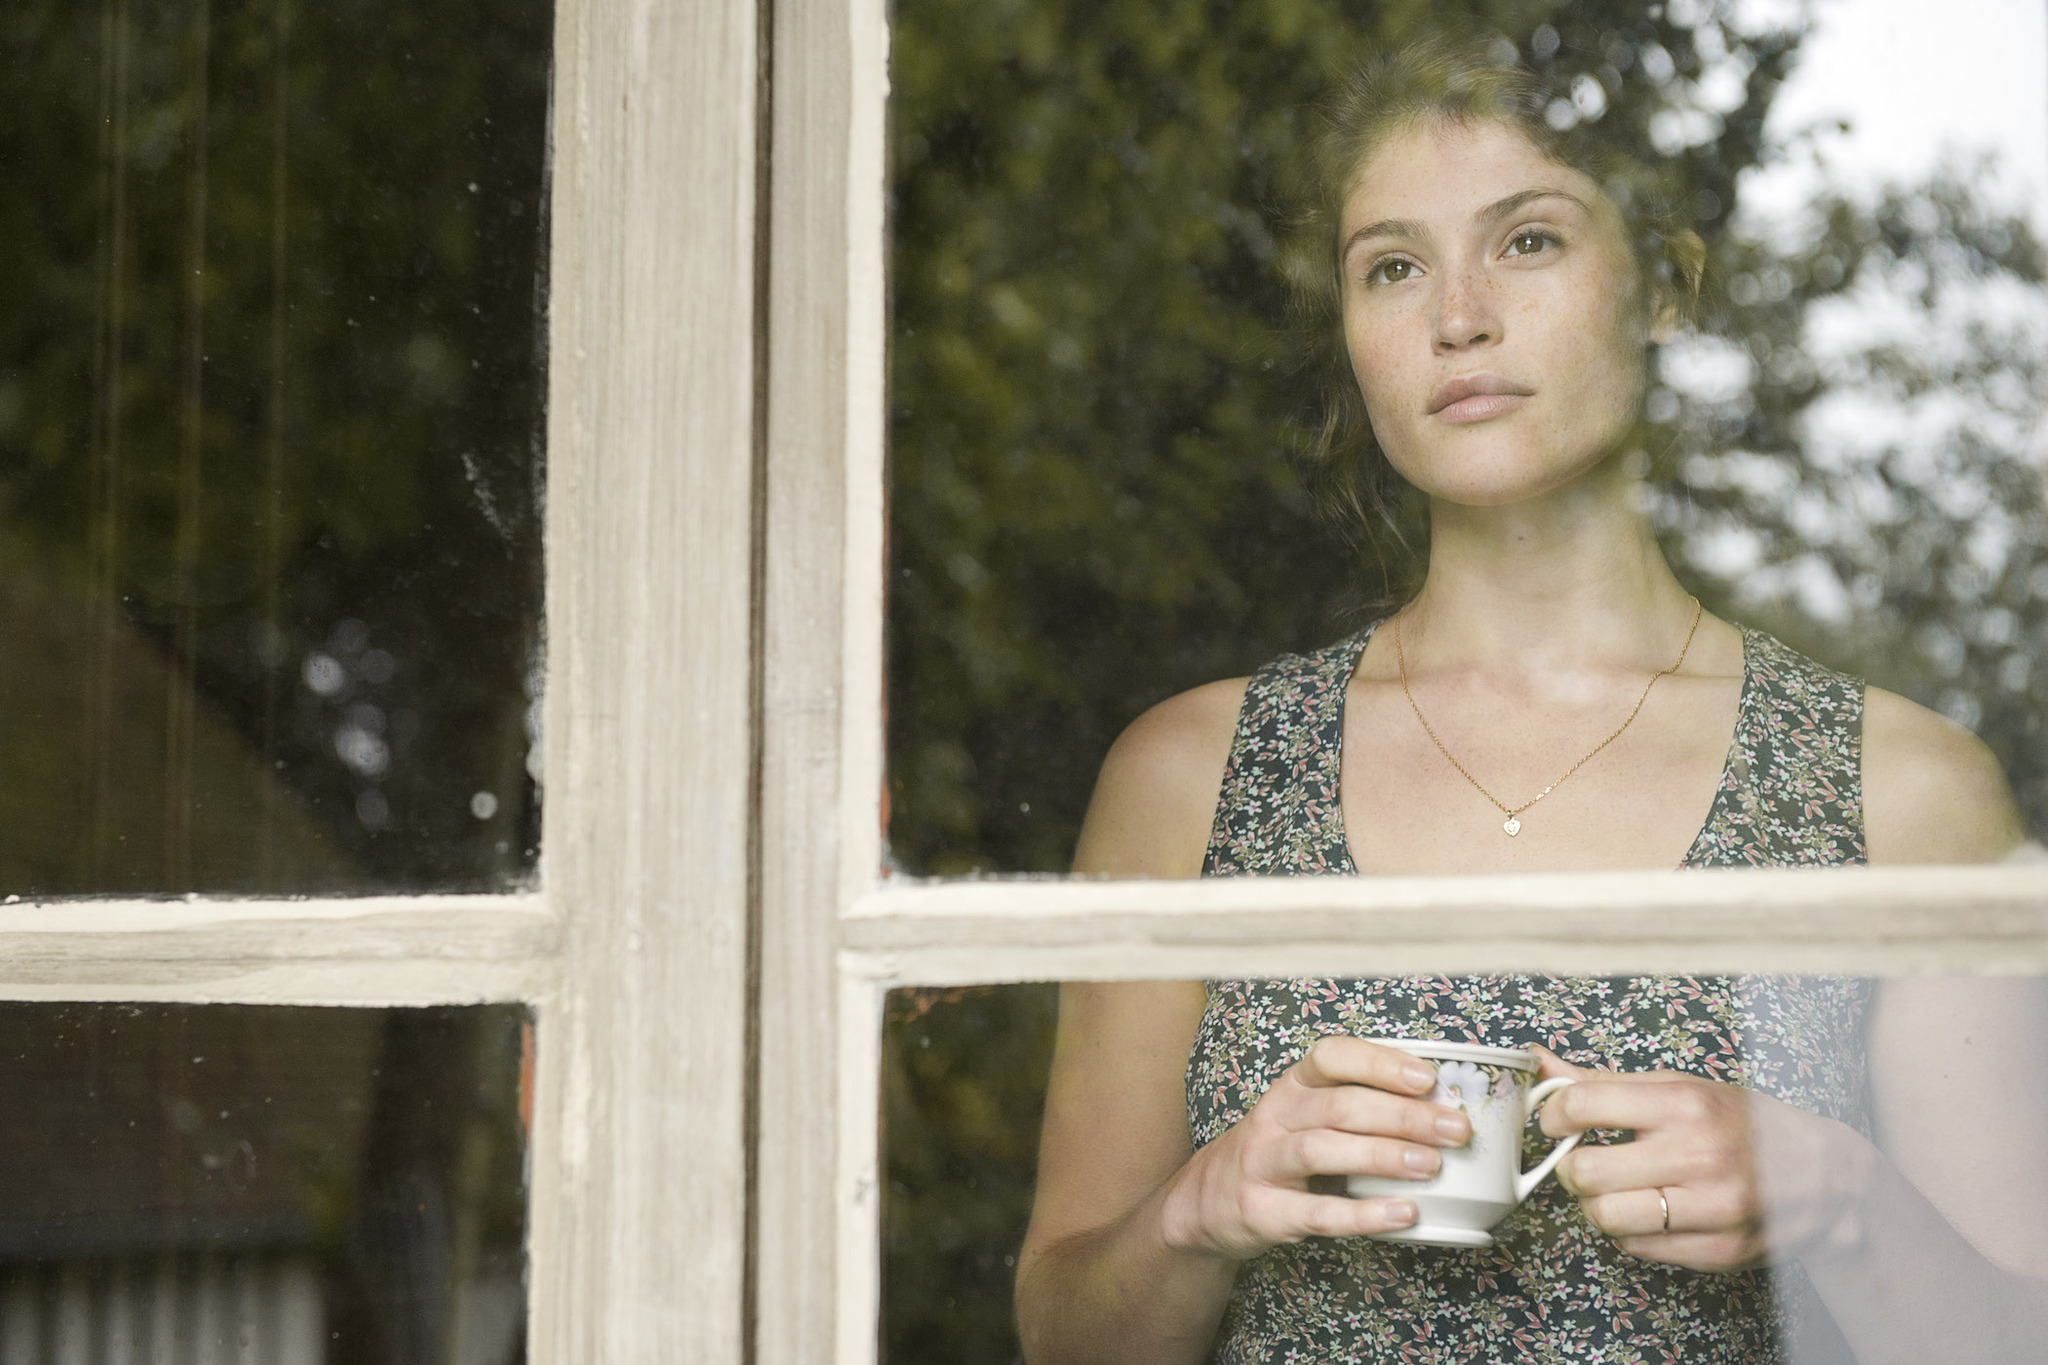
<point x="1492" y="311"/>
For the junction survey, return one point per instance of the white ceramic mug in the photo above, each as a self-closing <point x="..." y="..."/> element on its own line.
<point x="1482" y="1182"/>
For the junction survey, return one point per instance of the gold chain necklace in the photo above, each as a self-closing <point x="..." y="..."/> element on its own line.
<point x="1513" y="824"/>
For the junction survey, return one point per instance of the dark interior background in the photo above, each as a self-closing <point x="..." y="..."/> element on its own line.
<point x="180" y="1179"/>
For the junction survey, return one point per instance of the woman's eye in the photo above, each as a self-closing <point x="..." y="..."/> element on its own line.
<point x="1393" y="270"/>
<point x="1529" y="243"/>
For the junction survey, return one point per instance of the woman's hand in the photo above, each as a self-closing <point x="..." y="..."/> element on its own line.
<point x="1747" y="1179"/>
<point x="1348" y="1107"/>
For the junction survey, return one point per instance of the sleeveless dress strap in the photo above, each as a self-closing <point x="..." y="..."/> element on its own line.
<point x="1791" y="794"/>
<point x="1278" y="810"/>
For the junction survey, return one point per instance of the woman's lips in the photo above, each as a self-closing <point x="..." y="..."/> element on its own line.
<point x="1481" y="406"/>
<point x="1476" y="397"/>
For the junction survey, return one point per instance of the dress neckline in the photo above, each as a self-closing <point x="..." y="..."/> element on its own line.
<point x="1354" y="651"/>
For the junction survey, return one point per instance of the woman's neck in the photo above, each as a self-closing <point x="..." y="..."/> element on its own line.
<point x="1570" y="581"/>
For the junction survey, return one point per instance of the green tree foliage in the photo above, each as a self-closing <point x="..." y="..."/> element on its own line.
<point x="1851" y="452"/>
<point x="269" y="389"/>
<point x="962" y="1096"/>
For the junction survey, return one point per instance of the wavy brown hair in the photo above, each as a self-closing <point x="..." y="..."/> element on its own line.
<point x="1428" y="80"/>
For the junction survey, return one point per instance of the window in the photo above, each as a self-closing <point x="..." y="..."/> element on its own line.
<point x="710" y="934"/>
<point x="834" y="928"/>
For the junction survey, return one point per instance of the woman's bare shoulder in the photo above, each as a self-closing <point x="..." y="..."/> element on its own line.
<point x="1932" y="791"/>
<point x="1155" y="798"/>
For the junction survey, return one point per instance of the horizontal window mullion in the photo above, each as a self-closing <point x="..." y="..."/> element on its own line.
<point x="1876" y="921"/>
<point x="392" y="950"/>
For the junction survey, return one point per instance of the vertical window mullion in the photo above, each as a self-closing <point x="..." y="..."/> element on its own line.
<point x="639" y="1165"/>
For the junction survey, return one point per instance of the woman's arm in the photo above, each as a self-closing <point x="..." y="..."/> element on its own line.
<point x="1947" y="1253"/>
<point x="1155" y="797"/>
<point x="1944" y="1255"/>
<point x="1097" y="1278"/>
<point x="1943" y="1048"/>
<point x="1932" y="793"/>
<point x="1135" y="1240"/>
<point x="1093" y="1270"/>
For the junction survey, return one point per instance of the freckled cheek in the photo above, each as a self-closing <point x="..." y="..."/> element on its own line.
<point x="1390" y="391"/>
<point x="1596" y="371"/>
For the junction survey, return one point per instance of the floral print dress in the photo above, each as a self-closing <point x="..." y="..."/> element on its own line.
<point x="1552" y="1288"/>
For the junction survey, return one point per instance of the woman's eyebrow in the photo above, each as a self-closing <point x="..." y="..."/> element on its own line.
<point x="1516" y="202"/>
<point x="1385" y="227"/>
<point x="1492" y="213"/>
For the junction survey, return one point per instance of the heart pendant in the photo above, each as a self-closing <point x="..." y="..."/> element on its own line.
<point x="1513" y="826"/>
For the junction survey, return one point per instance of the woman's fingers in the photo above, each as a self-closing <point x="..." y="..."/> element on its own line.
<point x="1713" y="1226"/>
<point x="1359" y="1109"/>
<point x="1324" y="1151"/>
<point x="1640" y="1213"/>
<point x="1352" y="1085"/>
<point x="1291" y="1215"/>
<point x="1549" y="1065"/>
<point x="1648" y="1162"/>
<point x="1639" y="1101"/>
<point x="1338" y="1059"/>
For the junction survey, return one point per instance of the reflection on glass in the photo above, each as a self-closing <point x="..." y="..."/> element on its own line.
<point x="270" y="459"/>
<point x="284" y="1186"/>
<point x="1850" y="1168"/>
<point x="1099" y="418"/>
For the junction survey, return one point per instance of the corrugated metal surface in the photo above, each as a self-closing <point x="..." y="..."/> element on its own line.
<point x="193" y="1309"/>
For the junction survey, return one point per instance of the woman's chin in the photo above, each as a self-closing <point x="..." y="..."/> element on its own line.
<point x="1507" y="480"/>
<point x="1509" y="489"/>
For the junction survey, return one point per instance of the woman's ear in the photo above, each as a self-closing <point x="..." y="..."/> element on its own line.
<point x="1685" y="252"/>
<point x="1666" y="321"/>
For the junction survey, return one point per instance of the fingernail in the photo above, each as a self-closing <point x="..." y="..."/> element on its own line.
<point x="1451" y="1126"/>
<point x="1418" y="1073"/>
<point x="1400" y="1213"/>
<point x="1421" y="1159"/>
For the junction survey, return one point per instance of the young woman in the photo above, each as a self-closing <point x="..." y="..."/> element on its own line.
<point x="1551" y="699"/>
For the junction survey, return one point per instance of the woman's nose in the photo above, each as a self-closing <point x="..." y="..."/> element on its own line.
<point x="1465" y="315"/>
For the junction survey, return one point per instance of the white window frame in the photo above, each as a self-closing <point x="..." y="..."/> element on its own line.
<point x="713" y="934"/>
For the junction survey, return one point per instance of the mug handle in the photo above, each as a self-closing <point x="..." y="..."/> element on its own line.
<point x="1527" y="1181"/>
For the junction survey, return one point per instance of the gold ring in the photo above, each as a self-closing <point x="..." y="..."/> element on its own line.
<point x="1664" y="1204"/>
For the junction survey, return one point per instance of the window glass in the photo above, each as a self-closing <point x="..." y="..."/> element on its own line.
<point x="963" y="1091"/>
<point x="1870" y="1213"/>
<point x="285" y="1185"/>
<point x="270" y="445"/>
<point x="1100" y="416"/>
<point x="1101" y="423"/>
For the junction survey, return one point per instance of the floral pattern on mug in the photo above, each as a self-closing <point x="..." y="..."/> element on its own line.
<point x="1469" y="1085"/>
